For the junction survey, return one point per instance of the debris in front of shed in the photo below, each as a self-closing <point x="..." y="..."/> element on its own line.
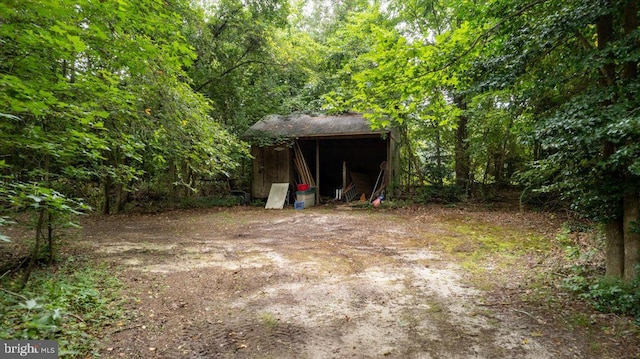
<point x="350" y="193"/>
<point x="362" y="183"/>
<point x="376" y="191"/>
<point x="308" y="197"/>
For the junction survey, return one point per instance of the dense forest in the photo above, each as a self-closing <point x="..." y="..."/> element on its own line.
<point x="109" y="104"/>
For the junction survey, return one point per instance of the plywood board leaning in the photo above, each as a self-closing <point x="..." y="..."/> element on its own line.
<point x="277" y="196"/>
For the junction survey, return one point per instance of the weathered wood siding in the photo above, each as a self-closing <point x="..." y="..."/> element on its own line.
<point x="270" y="166"/>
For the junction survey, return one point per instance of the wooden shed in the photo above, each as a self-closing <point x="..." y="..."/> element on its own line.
<point x="339" y="152"/>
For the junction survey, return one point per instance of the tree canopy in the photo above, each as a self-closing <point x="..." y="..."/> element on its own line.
<point x="540" y="94"/>
<point x="104" y="102"/>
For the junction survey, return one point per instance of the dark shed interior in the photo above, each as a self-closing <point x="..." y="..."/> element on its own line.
<point x="361" y="156"/>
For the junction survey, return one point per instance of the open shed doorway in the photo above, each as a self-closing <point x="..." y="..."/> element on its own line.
<point x="360" y="157"/>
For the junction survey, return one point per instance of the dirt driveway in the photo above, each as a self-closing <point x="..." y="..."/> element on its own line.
<point x="317" y="283"/>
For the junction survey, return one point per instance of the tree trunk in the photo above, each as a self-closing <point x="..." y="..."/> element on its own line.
<point x="631" y="235"/>
<point x="186" y="180"/>
<point x="487" y="168"/>
<point x="630" y="15"/>
<point x="50" y="236"/>
<point x="172" y="182"/>
<point x="502" y="177"/>
<point x="614" y="229"/>
<point x="35" y="250"/>
<point x="614" y="241"/>
<point x="120" y="198"/>
<point x="462" y="157"/>
<point x="631" y="212"/>
<point x="604" y="28"/>
<point x="498" y="168"/>
<point x="439" y="156"/>
<point x="106" y="195"/>
<point x="413" y="160"/>
<point x="537" y="150"/>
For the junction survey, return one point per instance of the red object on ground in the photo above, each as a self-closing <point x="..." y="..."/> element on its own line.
<point x="303" y="187"/>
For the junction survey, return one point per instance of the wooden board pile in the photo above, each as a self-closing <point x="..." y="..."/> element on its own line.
<point x="304" y="173"/>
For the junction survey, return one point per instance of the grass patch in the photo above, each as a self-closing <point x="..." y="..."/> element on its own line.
<point x="479" y="245"/>
<point x="269" y="320"/>
<point x="70" y="302"/>
<point x="497" y="238"/>
<point x="486" y="251"/>
<point x="435" y="307"/>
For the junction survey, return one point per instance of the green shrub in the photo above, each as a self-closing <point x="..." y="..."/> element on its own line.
<point x="585" y="276"/>
<point x="613" y="295"/>
<point x="435" y="193"/>
<point x="207" y="202"/>
<point x="70" y="305"/>
<point x="605" y="294"/>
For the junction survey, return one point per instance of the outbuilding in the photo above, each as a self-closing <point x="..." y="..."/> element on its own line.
<point x="340" y="155"/>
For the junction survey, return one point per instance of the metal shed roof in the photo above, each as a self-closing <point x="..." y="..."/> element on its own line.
<point x="314" y="125"/>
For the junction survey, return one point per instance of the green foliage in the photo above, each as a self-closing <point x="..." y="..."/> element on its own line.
<point x="584" y="276"/>
<point x="439" y="194"/>
<point x="547" y="56"/>
<point x="245" y="63"/>
<point x="413" y="69"/>
<point x="207" y="202"/>
<point x="613" y="295"/>
<point x="258" y="203"/>
<point x="606" y="294"/>
<point x="71" y="305"/>
<point x="3" y="222"/>
<point x="23" y="196"/>
<point x="264" y="139"/>
<point x="99" y="96"/>
<point x="575" y="136"/>
<point x="97" y="102"/>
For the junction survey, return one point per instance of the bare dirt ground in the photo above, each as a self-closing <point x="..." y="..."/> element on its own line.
<point x="328" y="283"/>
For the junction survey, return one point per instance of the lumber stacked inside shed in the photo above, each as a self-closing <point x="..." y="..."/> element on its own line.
<point x="304" y="172"/>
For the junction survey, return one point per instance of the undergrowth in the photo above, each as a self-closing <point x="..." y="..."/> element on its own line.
<point x="207" y="202"/>
<point x="584" y="277"/>
<point x="612" y="295"/>
<point x="70" y="302"/>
